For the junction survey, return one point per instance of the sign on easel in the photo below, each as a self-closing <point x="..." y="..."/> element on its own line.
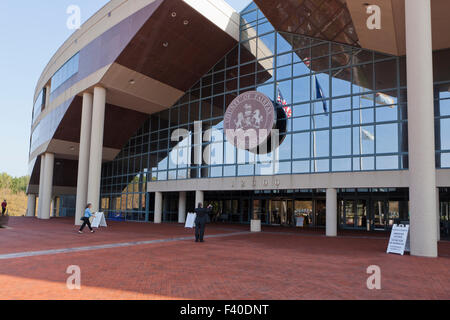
<point x="99" y="220"/>
<point x="190" y="220"/>
<point x="399" y="240"/>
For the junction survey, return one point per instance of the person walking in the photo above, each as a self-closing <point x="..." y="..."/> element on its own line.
<point x="4" y="205"/>
<point x="85" y="219"/>
<point x="200" y="221"/>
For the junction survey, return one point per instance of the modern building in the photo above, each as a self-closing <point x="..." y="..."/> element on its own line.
<point x="132" y="115"/>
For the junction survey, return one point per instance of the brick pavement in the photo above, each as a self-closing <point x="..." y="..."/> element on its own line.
<point x="279" y="263"/>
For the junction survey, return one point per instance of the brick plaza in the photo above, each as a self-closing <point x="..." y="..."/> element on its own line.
<point x="149" y="261"/>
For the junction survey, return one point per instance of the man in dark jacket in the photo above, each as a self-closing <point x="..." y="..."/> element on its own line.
<point x="200" y="221"/>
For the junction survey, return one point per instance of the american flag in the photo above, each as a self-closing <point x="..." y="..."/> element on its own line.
<point x="283" y="102"/>
<point x="307" y="62"/>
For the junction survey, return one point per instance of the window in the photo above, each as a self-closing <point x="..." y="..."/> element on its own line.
<point x="65" y="72"/>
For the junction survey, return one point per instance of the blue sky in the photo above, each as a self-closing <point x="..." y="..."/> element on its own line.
<point x="31" y="32"/>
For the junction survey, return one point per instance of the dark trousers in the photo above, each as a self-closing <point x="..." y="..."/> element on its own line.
<point x="3" y="211"/>
<point x="200" y="230"/>
<point x="87" y="222"/>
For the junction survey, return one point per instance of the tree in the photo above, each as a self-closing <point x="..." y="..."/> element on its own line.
<point x="15" y="184"/>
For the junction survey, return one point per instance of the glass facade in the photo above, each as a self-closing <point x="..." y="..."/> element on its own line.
<point x="65" y="72"/>
<point x="47" y="126"/>
<point x="39" y="104"/>
<point x="349" y="114"/>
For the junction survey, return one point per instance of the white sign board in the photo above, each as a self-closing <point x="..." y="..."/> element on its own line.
<point x="99" y="220"/>
<point x="300" y="221"/>
<point x="399" y="240"/>
<point x="190" y="220"/>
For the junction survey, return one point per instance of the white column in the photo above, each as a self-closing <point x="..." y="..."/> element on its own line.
<point x="41" y="185"/>
<point x="83" y="158"/>
<point x="199" y="198"/>
<point x="331" y="215"/>
<point x="31" y="208"/>
<point x="182" y="207"/>
<point x="157" y="218"/>
<point x="96" y="149"/>
<point x="45" y="202"/>
<point x="422" y="170"/>
<point x="438" y="215"/>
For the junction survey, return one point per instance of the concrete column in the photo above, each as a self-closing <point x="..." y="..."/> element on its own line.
<point x="41" y="185"/>
<point x="96" y="149"/>
<point x="331" y="218"/>
<point x="158" y="207"/>
<point x="199" y="198"/>
<point x="31" y="208"/>
<point x="182" y="207"/>
<point x="45" y="202"/>
<point x="438" y="215"/>
<point x="83" y="158"/>
<point x="422" y="171"/>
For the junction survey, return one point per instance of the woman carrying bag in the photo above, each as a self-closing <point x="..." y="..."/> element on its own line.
<point x="85" y="219"/>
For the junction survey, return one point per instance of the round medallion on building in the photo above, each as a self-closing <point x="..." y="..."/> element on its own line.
<point x="249" y="120"/>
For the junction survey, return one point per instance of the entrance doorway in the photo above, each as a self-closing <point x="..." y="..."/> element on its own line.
<point x="311" y="212"/>
<point x="368" y="214"/>
<point x="281" y="212"/>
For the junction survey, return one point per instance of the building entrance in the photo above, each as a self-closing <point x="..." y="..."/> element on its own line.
<point x="371" y="214"/>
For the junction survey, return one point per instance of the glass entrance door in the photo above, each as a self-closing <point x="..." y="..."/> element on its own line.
<point x="384" y="213"/>
<point x="320" y="213"/>
<point x="353" y="213"/>
<point x="379" y="214"/>
<point x="281" y="212"/>
<point x="275" y="208"/>
<point x="304" y="209"/>
<point x="361" y="215"/>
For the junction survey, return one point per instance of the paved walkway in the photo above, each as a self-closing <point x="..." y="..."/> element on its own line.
<point x="147" y="261"/>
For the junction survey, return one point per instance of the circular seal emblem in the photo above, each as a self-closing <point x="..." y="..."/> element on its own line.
<point x="249" y="120"/>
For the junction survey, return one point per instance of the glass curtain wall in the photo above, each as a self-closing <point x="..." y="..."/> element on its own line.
<point x="348" y="113"/>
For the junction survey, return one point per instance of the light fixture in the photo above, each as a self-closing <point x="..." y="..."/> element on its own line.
<point x="132" y="81"/>
<point x="165" y="44"/>
<point x="186" y="22"/>
<point x="174" y="14"/>
<point x="72" y="148"/>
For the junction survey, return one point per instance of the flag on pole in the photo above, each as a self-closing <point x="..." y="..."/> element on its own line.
<point x="320" y="95"/>
<point x="367" y="135"/>
<point x="307" y="62"/>
<point x="381" y="98"/>
<point x="283" y="102"/>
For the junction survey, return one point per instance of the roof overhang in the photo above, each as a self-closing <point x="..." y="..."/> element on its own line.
<point x="391" y="38"/>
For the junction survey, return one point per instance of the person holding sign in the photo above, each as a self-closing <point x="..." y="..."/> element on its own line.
<point x="85" y="219"/>
<point x="200" y="221"/>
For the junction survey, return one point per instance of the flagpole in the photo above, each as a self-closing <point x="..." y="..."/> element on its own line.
<point x="360" y="133"/>
<point x="314" y="126"/>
